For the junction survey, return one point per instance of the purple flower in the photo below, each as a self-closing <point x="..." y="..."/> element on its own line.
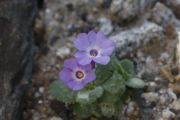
<point x="76" y="76"/>
<point x="93" y="47"/>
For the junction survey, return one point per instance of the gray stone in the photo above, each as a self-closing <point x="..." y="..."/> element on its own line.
<point x="150" y="97"/>
<point x="176" y="104"/>
<point x="105" y="25"/>
<point x="167" y="114"/>
<point x="162" y="15"/>
<point x="174" y="5"/>
<point x="166" y="96"/>
<point x="151" y="67"/>
<point x="128" y="9"/>
<point x="135" y="37"/>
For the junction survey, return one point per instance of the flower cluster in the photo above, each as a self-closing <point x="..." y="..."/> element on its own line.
<point x="112" y="77"/>
<point x="92" y="48"/>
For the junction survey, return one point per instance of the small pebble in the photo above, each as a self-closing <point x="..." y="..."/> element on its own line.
<point x="132" y="109"/>
<point x="150" y="97"/>
<point x="176" y="105"/>
<point x="152" y="86"/>
<point x="63" y="52"/>
<point x="56" y="118"/>
<point x="41" y="89"/>
<point x="47" y="10"/>
<point x="40" y="101"/>
<point x="37" y="94"/>
<point x="166" y="96"/>
<point x="164" y="56"/>
<point x="157" y="78"/>
<point x="167" y="114"/>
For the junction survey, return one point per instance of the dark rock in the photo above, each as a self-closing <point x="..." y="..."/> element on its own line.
<point x="16" y="50"/>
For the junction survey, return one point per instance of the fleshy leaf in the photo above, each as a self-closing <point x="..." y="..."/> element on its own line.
<point x="108" y="109"/>
<point x="115" y="84"/>
<point x="89" y="96"/>
<point x="135" y="83"/>
<point x="86" y="110"/>
<point x="103" y="73"/>
<point x="82" y="110"/>
<point x="83" y="97"/>
<point x="124" y="67"/>
<point x="110" y="105"/>
<point x="61" y="92"/>
<point x="96" y="93"/>
<point x="128" y="66"/>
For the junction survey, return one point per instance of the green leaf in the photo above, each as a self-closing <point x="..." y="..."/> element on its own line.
<point x="115" y="84"/>
<point x="128" y="67"/>
<point x="111" y="109"/>
<point x="135" y="83"/>
<point x="102" y="74"/>
<point x="89" y="96"/>
<point x="108" y="109"/>
<point x="125" y="67"/>
<point x="83" y="97"/>
<point x="82" y="110"/>
<point x="110" y="104"/>
<point x="96" y="93"/>
<point x="86" y="110"/>
<point x="61" y="92"/>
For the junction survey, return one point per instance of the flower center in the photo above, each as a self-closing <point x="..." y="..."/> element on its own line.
<point x="93" y="52"/>
<point x="79" y="74"/>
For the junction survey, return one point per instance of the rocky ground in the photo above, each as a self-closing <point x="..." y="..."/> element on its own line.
<point x="145" y="31"/>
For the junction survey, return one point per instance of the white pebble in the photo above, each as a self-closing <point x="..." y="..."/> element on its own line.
<point x="56" y="118"/>
<point x="41" y="89"/>
<point x="63" y="52"/>
<point x="40" y="101"/>
<point x="150" y="97"/>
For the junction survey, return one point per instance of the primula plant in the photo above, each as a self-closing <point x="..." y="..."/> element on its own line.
<point x="94" y="82"/>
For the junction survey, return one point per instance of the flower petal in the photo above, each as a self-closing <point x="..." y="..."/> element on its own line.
<point x="86" y="68"/>
<point x="70" y="63"/>
<point x="75" y="85"/>
<point x="85" y="61"/>
<point x="90" y="76"/>
<point x="81" y="41"/>
<point x="102" y="60"/>
<point x="107" y="43"/>
<point x="108" y="51"/>
<point x="100" y="38"/>
<point x="65" y="75"/>
<point x="92" y="36"/>
<point x="80" y="54"/>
